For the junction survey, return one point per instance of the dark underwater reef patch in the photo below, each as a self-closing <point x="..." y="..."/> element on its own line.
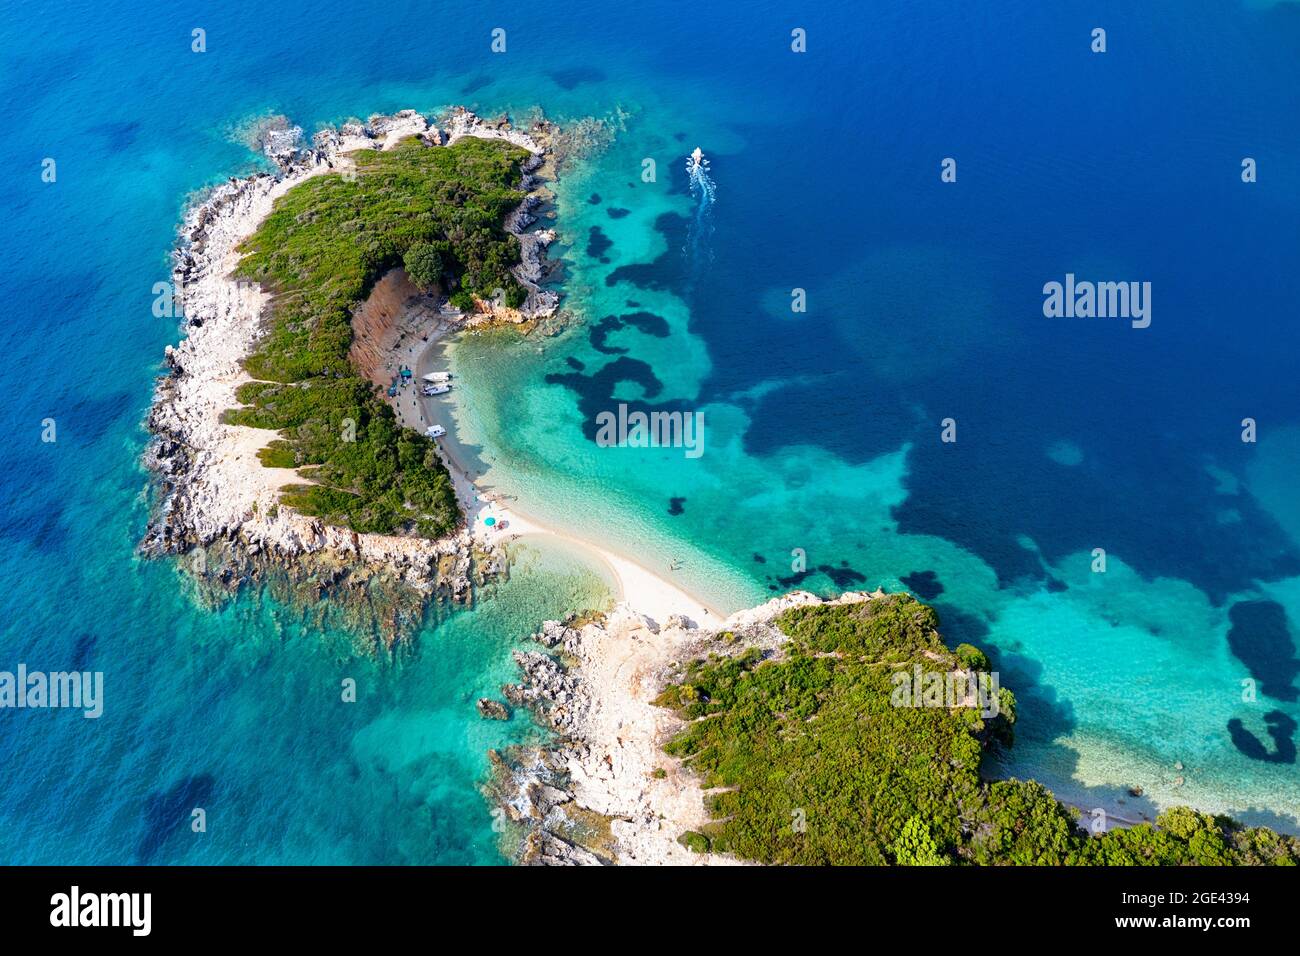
<point x="645" y="322"/>
<point x="88" y="418"/>
<point x="118" y="135"/>
<point x="667" y="272"/>
<point x="1261" y="639"/>
<point x="168" y="811"/>
<point x="843" y="577"/>
<point x="924" y="584"/>
<point x="39" y="525"/>
<point x="83" y="650"/>
<point x="595" y="391"/>
<point x="574" y="77"/>
<point x="598" y="244"/>
<point x="1279" y="727"/>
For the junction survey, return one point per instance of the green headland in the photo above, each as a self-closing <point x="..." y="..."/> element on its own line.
<point x="810" y="760"/>
<point x="438" y="210"/>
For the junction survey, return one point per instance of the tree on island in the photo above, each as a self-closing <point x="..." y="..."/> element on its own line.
<point x="423" y="264"/>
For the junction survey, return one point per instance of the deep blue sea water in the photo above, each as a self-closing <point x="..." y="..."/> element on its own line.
<point x="924" y="302"/>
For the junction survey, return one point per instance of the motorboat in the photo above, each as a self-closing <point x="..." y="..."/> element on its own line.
<point x="696" y="163"/>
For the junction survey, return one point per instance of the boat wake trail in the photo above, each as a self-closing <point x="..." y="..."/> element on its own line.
<point x="699" y="250"/>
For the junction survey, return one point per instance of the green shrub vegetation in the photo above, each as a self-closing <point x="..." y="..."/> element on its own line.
<point x="423" y="264"/>
<point x="915" y="846"/>
<point x="814" y="765"/>
<point x="437" y="210"/>
<point x="695" y="842"/>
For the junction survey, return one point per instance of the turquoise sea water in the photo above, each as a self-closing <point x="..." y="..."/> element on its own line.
<point x="822" y="427"/>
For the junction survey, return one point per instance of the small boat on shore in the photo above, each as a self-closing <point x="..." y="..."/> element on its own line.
<point x="435" y="389"/>
<point x="435" y="431"/>
<point x="437" y="377"/>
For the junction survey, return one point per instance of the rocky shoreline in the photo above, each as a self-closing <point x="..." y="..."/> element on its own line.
<point x="216" y="503"/>
<point x="602" y="791"/>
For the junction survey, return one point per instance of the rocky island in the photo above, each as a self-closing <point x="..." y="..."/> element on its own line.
<point x="279" y="457"/>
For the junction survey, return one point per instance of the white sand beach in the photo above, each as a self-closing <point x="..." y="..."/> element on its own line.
<point x="222" y="489"/>
<point x="639" y="588"/>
